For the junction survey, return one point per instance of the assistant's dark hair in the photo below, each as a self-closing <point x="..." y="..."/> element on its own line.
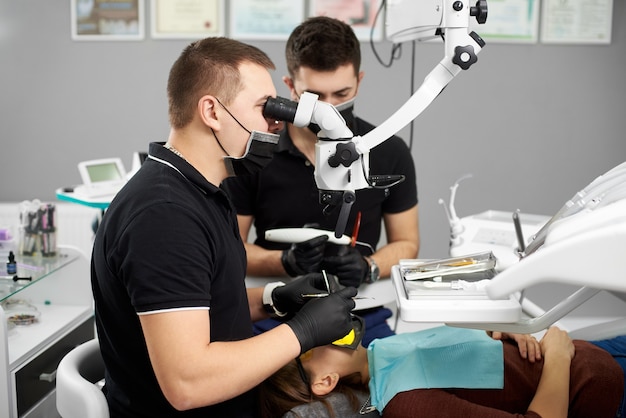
<point x="208" y="66"/>
<point x="323" y="44"/>
<point x="285" y="390"/>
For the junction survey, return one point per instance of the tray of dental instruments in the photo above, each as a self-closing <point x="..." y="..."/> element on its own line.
<point x="462" y="276"/>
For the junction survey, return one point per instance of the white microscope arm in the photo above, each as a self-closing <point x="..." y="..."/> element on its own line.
<point x="342" y="164"/>
<point x="459" y="45"/>
<point x="342" y="160"/>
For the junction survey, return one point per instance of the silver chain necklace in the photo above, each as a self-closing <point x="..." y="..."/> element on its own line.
<point x="175" y="151"/>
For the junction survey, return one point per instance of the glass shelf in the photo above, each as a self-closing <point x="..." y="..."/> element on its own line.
<point x="33" y="268"/>
<point x="58" y="295"/>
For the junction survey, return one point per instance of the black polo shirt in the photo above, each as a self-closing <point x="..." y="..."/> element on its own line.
<point x="169" y="240"/>
<point x="284" y="193"/>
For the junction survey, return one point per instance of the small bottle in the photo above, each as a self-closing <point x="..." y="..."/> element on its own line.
<point x="11" y="264"/>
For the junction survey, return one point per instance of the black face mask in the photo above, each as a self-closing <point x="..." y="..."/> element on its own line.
<point x="259" y="152"/>
<point x="346" y="110"/>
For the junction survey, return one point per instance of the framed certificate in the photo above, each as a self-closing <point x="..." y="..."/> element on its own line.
<point x="188" y="19"/>
<point x="264" y="19"/>
<point x="360" y="14"/>
<point x="101" y="20"/>
<point x="510" y="21"/>
<point x="575" y="21"/>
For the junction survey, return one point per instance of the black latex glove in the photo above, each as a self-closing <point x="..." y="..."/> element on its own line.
<point x="304" y="257"/>
<point x="288" y="298"/>
<point x="348" y="265"/>
<point x="324" y="320"/>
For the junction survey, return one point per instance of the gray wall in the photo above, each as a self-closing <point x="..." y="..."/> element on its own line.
<point x="532" y="123"/>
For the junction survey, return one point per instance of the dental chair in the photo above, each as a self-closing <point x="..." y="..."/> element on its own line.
<point x="78" y="395"/>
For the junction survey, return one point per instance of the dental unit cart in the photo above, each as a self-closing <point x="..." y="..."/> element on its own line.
<point x="582" y="245"/>
<point x="503" y="233"/>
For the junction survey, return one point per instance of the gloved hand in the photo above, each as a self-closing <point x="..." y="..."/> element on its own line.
<point x="348" y="265"/>
<point x="324" y="320"/>
<point x="288" y="298"/>
<point x="304" y="257"/>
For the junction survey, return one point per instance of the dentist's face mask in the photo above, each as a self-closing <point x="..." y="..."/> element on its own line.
<point x="259" y="151"/>
<point x="346" y="109"/>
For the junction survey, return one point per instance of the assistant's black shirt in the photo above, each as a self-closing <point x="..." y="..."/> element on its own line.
<point x="284" y="193"/>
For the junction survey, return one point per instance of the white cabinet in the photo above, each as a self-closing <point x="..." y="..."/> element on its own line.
<point x="60" y="291"/>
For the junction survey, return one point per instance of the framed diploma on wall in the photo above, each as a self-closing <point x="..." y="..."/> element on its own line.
<point x="189" y="19"/>
<point x="265" y="19"/>
<point x="100" y="20"/>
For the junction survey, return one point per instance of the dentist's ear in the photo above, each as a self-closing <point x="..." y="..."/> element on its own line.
<point x="359" y="79"/>
<point x="206" y="109"/>
<point x="289" y="83"/>
<point x="325" y="384"/>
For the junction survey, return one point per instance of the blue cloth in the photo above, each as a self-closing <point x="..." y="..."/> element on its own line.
<point x="617" y="348"/>
<point x="375" y="324"/>
<point x="441" y="357"/>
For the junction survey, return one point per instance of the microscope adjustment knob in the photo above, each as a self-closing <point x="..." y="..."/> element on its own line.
<point x="464" y="56"/>
<point x="480" y="11"/>
<point x="345" y="155"/>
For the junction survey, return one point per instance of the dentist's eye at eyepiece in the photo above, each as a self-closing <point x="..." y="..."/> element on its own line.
<point x="280" y="108"/>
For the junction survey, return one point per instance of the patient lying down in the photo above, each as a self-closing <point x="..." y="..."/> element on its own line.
<point x="521" y="377"/>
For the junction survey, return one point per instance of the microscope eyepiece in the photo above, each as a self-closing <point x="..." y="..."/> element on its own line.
<point x="280" y="108"/>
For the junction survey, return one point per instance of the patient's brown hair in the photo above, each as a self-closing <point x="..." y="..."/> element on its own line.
<point x="285" y="390"/>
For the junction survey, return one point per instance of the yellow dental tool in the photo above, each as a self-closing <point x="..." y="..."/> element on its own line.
<point x="347" y="340"/>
